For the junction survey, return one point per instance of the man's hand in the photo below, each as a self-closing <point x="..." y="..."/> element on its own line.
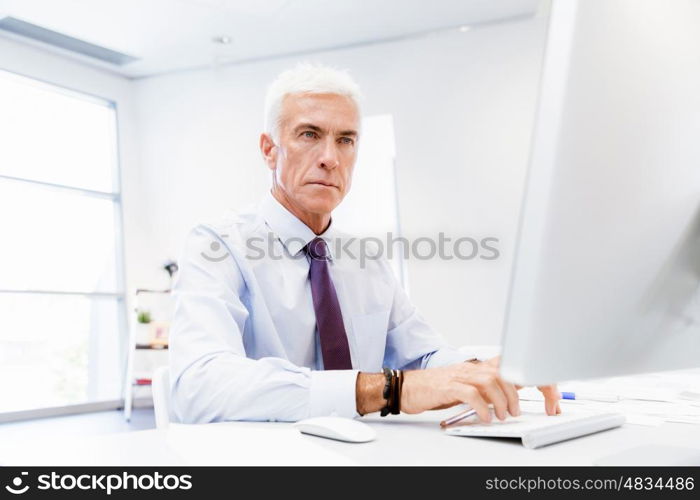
<point x="550" y="392"/>
<point x="476" y="384"/>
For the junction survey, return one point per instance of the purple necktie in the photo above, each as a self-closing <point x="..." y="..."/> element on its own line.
<point x="329" y="320"/>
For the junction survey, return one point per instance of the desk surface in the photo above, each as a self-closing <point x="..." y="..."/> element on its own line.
<point x="418" y="440"/>
<point x="401" y="440"/>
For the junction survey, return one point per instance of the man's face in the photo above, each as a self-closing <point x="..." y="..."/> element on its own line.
<point x="316" y="150"/>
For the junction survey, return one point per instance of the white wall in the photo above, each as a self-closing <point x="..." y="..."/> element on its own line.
<point x="463" y="108"/>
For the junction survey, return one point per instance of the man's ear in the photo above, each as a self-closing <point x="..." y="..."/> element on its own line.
<point x="268" y="150"/>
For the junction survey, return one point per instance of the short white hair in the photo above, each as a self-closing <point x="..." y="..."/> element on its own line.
<point x="306" y="78"/>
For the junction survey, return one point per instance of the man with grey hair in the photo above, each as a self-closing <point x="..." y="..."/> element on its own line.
<point x="295" y="331"/>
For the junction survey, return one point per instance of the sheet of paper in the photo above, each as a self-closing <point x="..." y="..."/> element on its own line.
<point x="646" y="399"/>
<point x="643" y="420"/>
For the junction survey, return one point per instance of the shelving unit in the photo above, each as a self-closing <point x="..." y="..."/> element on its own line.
<point x="137" y="345"/>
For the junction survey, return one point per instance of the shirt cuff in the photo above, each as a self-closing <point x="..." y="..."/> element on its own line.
<point x="333" y="393"/>
<point x="444" y="357"/>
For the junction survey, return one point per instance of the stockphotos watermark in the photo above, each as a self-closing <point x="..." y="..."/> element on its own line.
<point x="106" y="483"/>
<point x="366" y="249"/>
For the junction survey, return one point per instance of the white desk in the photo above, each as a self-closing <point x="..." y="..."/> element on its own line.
<point x="402" y="440"/>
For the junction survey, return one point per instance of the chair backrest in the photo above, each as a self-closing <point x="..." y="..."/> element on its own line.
<point x="161" y="396"/>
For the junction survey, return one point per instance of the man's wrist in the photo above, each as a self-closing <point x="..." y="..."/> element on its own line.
<point x="368" y="392"/>
<point x="392" y="391"/>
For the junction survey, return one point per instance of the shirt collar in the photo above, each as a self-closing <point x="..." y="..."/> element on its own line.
<point x="290" y="230"/>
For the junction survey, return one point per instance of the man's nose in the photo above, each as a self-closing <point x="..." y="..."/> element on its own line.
<point x="329" y="156"/>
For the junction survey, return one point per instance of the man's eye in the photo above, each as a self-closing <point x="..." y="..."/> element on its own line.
<point x="309" y="134"/>
<point x="347" y="140"/>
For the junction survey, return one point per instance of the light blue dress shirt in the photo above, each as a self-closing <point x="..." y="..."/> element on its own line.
<point x="243" y="341"/>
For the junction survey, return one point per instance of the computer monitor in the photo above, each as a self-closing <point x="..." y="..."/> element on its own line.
<point x="606" y="273"/>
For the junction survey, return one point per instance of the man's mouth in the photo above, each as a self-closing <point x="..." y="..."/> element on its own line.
<point x="323" y="183"/>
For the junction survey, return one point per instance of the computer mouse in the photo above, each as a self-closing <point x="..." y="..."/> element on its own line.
<point x="338" y="428"/>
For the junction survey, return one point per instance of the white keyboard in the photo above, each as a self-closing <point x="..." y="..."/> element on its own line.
<point x="536" y="429"/>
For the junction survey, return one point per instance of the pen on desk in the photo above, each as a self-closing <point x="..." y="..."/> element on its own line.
<point x="469" y="412"/>
<point x="605" y="398"/>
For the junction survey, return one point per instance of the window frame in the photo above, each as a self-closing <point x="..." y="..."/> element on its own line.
<point x="119" y="295"/>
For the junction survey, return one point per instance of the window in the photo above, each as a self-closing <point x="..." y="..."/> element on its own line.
<point x="62" y="313"/>
<point x="371" y="207"/>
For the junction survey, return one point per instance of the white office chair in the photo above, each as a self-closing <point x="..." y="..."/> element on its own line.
<point x="160" y="386"/>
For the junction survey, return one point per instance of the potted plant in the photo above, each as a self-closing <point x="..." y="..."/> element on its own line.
<point x="143" y="319"/>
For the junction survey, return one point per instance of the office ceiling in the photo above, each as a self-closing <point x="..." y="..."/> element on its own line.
<point x="173" y="35"/>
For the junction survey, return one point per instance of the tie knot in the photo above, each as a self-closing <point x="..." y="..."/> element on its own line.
<point x="317" y="249"/>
